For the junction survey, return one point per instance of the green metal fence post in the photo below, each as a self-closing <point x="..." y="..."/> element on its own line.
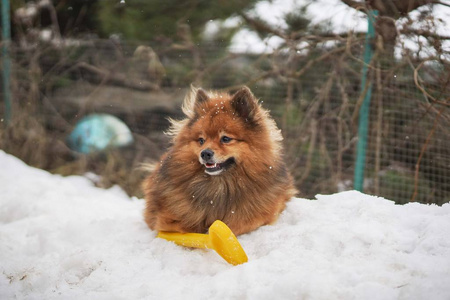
<point x="6" y="63"/>
<point x="365" y="107"/>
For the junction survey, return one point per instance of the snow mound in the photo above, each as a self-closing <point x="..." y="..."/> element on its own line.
<point x="61" y="237"/>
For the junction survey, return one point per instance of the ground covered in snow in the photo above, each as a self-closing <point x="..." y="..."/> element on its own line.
<point x="60" y="237"/>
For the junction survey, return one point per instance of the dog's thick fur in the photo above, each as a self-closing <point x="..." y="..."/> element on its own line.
<point x="225" y="163"/>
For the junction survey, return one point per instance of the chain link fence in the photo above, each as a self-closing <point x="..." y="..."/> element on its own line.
<point x="314" y="96"/>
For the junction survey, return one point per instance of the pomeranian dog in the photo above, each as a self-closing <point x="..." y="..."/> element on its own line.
<point x="225" y="163"/>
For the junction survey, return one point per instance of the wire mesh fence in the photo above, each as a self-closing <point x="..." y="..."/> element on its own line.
<point x="314" y="97"/>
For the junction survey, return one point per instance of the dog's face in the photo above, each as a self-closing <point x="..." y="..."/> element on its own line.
<point x="218" y="155"/>
<point x="218" y="151"/>
<point x="223" y="131"/>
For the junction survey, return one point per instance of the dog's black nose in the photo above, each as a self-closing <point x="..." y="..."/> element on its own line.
<point x="207" y="154"/>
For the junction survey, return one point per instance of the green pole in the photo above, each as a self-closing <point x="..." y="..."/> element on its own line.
<point x="6" y="40"/>
<point x="365" y="106"/>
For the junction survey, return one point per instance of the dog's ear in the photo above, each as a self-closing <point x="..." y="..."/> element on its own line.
<point x="201" y="97"/>
<point x="193" y="100"/>
<point x="244" y="103"/>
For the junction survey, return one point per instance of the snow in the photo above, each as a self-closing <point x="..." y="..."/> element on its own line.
<point x="61" y="237"/>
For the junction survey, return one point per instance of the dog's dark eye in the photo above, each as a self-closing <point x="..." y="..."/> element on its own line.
<point x="201" y="141"/>
<point x="225" y="139"/>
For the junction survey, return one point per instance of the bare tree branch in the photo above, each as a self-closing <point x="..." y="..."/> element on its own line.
<point x="355" y="4"/>
<point x="260" y="26"/>
<point x="118" y="78"/>
<point x="424" y="33"/>
<point x="441" y="3"/>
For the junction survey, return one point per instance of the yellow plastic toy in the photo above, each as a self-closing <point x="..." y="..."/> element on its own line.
<point x="220" y="238"/>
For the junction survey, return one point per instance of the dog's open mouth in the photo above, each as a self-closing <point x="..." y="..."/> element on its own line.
<point x="217" y="168"/>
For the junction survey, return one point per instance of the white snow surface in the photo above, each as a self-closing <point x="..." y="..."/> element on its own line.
<point x="63" y="238"/>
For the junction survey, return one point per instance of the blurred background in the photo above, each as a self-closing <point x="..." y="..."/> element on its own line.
<point x="88" y="86"/>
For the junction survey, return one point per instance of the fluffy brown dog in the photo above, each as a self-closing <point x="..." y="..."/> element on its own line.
<point x="225" y="164"/>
